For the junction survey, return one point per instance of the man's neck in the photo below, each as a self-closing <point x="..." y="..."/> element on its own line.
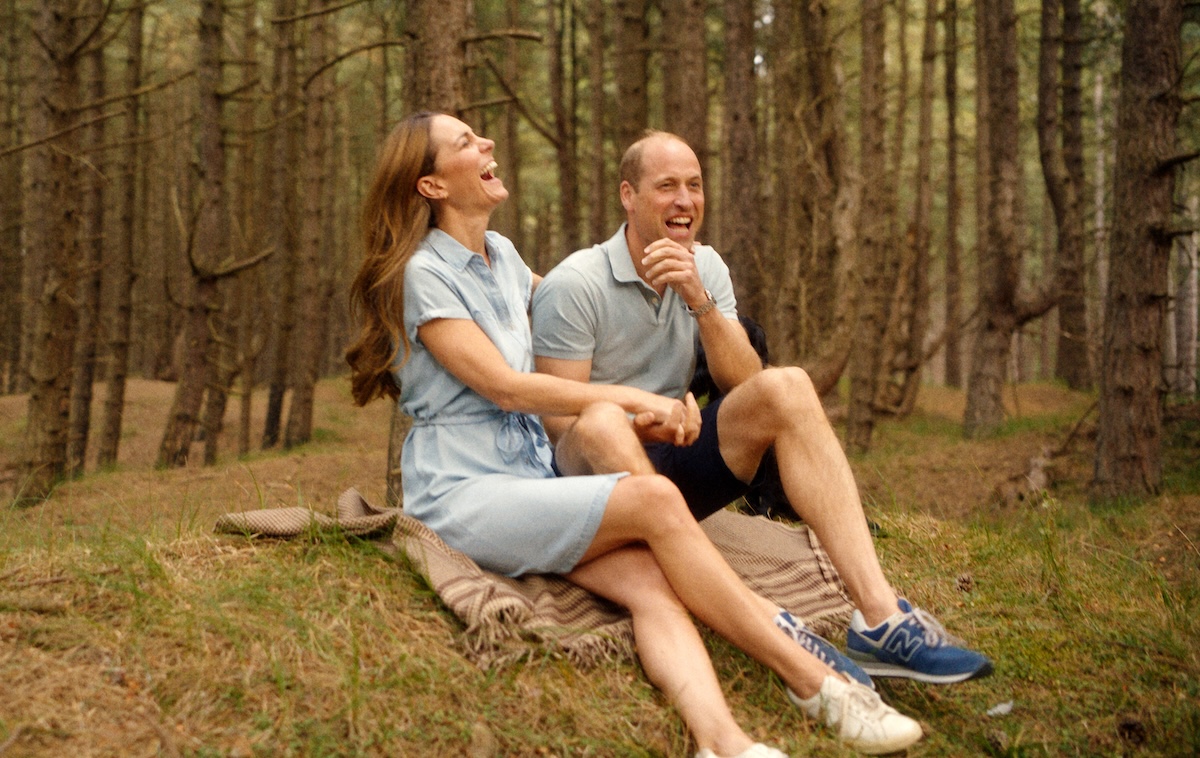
<point x="637" y="247"/>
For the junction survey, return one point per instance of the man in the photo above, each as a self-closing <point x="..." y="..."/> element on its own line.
<point x="628" y="312"/>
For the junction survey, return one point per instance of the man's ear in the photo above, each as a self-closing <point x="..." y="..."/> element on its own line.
<point x="627" y="193"/>
<point x="430" y="187"/>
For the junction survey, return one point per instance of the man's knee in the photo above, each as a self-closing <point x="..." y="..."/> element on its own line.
<point x="601" y="424"/>
<point x="787" y="389"/>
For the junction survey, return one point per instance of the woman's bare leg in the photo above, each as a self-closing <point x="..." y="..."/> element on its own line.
<point x="650" y="510"/>
<point x="671" y="650"/>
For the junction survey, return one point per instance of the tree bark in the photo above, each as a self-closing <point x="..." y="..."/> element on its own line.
<point x="1129" y="436"/>
<point x="51" y="213"/>
<point x="119" y="265"/>
<point x="207" y="247"/>
<point x="88" y="278"/>
<point x="630" y="42"/>
<point x="865" y="361"/>
<point x="10" y="203"/>
<point x="953" y="295"/>
<point x="601" y="194"/>
<point x="685" y="73"/>
<point x="307" y="355"/>
<point x="562" y="101"/>
<point x="1060" y="142"/>
<point x="283" y="235"/>
<point x="436" y="55"/>
<point x="1187" y="303"/>
<point x="738" y="228"/>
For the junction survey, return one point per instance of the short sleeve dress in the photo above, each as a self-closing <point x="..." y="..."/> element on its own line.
<point x="476" y="475"/>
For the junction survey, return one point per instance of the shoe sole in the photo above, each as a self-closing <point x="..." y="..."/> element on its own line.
<point x="876" y="667"/>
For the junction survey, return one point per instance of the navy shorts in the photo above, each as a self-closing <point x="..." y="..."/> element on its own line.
<point x="698" y="470"/>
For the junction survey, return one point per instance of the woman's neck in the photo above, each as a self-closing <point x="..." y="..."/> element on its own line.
<point x="468" y="230"/>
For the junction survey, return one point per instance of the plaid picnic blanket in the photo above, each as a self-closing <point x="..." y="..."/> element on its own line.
<point x="506" y="618"/>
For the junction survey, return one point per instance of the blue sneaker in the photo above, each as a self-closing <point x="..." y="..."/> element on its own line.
<point x="912" y="644"/>
<point x="820" y="647"/>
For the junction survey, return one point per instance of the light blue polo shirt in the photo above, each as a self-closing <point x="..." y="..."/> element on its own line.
<point x="593" y="305"/>
<point x="476" y="475"/>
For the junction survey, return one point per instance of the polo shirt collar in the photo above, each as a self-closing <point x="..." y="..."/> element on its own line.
<point x="617" y="249"/>
<point x="454" y="252"/>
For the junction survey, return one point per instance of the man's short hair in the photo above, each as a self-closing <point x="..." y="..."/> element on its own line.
<point x="631" y="163"/>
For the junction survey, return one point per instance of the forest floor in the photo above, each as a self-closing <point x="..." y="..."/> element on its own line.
<point x="128" y="628"/>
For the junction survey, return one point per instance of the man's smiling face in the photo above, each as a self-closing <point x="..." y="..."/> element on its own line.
<point x="668" y="200"/>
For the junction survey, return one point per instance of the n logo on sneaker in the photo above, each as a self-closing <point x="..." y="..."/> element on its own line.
<point x="903" y="645"/>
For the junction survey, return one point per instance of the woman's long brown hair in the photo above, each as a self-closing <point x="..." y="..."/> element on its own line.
<point x="395" y="219"/>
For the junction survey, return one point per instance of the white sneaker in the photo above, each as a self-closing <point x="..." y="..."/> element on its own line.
<point x="757" y="750"/>
<point x="859" y="717"/>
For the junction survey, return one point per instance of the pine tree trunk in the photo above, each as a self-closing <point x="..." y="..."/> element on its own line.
<point x="10" y="203"/>
<point x="601" y="194"/>
<point x="436" y="55"/>
<point x="999" y="254"/>
<point x="51" y="221"/>
<point x="685" y="79"/>
<point x="953" y="317"/>
<point x="630" y="49"/>
<point x="562" y="100"/>
<point x="89" y="268"/>
<point x="738" y="230"/>
<point x="865" y="361"/>
<point x="1187" y="304"/>
<point x="307" y="355"/>
<point x="119" y="263"/>
<point x="1129" y="437"/>
<point x="283" y="233"/>
<point x="207" y="248"/>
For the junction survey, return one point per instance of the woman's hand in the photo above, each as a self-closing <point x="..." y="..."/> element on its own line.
<point x="668" y="420"/>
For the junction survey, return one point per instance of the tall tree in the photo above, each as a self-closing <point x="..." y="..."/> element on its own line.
<point x="51" y="227"/>
<point x="119" y="259"/>
<point x="10" y="200"/>
<point x="1004" y="306"/>
<point x="685" y="72"/>
<point x="307" y="355"/>
<point x="89" y="262"/>
<point x="630" y="70"/>
<point x="1060" y="140"/>
<point x="1129" y="436"/>
<point x="436" y="55"/>
<point x="562" y="100"/>
<point x="738" y="229"/>
<point x="284" y="234"/>
<point x="873" y="225"/>
<point x="600" y="194"/>
<point x="953" y="266"/>
<point x="208" y="243"/>
<point x="1187" y="304"/>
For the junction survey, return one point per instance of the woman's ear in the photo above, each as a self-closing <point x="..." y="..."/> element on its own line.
<point x="430" y="187"/>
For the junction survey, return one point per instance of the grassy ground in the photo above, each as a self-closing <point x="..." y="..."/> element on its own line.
<point x="128" y="628"/>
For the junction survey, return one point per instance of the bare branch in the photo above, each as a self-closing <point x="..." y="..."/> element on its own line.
<point x="519" y="103"/>
<point x="233" y="267"/>
<point x="312" y="14"/>
<point x="55" y="135"/>
<point x="353" y="51"/>
<point x="503" y="34"/>
<point x="87" y="38"/>
<point x="1174" y="161"/>
<point x="135" y="93"/>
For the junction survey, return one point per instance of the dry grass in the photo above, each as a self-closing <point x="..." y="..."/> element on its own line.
<point x="128" y="628"/>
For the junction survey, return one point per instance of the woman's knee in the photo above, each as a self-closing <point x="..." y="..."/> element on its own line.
<point x="655" y="504"/>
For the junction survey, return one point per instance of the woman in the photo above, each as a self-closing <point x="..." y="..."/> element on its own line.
<point x="445" y="329"/>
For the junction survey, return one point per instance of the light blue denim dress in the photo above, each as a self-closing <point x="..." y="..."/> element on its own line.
<point x="477" y="476"/>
